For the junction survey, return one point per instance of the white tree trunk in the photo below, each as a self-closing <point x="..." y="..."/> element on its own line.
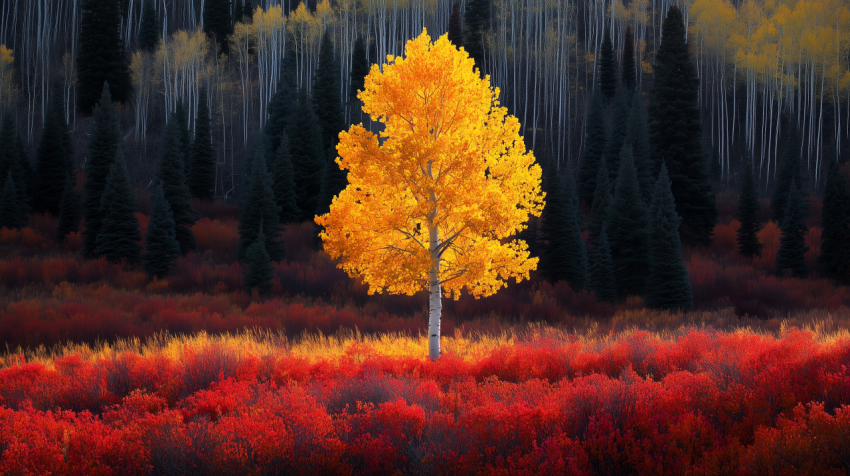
<point x="435" y="298"/>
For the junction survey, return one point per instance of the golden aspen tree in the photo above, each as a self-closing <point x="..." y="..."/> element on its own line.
<point x="432" y="203"/>
<point x="8" y="90"/>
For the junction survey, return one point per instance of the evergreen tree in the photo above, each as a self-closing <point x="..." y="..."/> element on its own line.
<point x="476" y="23"/>
<point x="359" y="68"/>
<point x="629" y="72"/>
<point x="182" y="122"/>
<point x="284" y="185"/>
<point x="28" y="177"/>
<point x="10" y="213"/>
<point x="149" y="32"/>
<point x="835" y="247"/>
<point x="52" y="161"/>
<point x="594" y="148"/>
<point x="456" y="27"/>
<point x="104" y="139"/>
<point x="601" y="278"/>
<point x="748" y="207"/>
<point x="607" y="68"/>
<point x="602" y="198"/>
<point x="101" y="57"/>
<point x="790" y="170"/>
<point x="564" y="257"/>
<point x="201" y="176"/>
<point x="326" y="99"/>
<point x="217" y="23"/>
<point x="676" y="132"/>
<point x="531" y="236"/>
<point x="282" y="102"/>
<point x="248" y="11"/>
<point x="259" y="206"/>
<point x="258" y="266"/>
<point x="620" y="115"/>
<point x="238" y="11"/>
<point x="161" y="246"/>
<point x="628" y="231"/>
<point x="334" y="181"/>
<point x="792" y="241"/>
<point x="170" y="172"/>
<point x="638" y="138"/>
<point x="70" y="212"/>
<point x="119" y="234"/>
<point x="668" y="286"/>
<point x="13" y="159"/>
<point x="305" y="145"/>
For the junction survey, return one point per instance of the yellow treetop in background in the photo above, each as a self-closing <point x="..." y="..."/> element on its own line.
<point x="449" y="162"/>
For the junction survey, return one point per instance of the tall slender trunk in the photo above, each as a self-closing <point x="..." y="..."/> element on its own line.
<point x="435" y="295"/>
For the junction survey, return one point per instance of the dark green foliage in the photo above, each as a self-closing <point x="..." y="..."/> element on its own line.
<point x="607" y="67"/>
<point x="161" y="246"/>
<point x="70" y="211"/>
<point x="326" y="99"/>
<point x="619" y="120"/>
<point x="629" y="74"/>
<point x="217" y="23"/>
<point x="259" y="207"/>
<point x="119" y="234"/>
<point x="305" y="145"/>
<point x="676" y="132"/>
<point x="790" y="170"/>
<point x="359" y="67"/>
<point x="628" y="230"/>
<point x="258" y="267"/>
<point x="284" y="185"/>
<point x="101" y="57"/>
<point x="334" y="181"/>
<point x="714" y="167"/>
<point x="104" y="139"/>
<point x="10" y="212"/>
<point x="455" y="32"/>
<point x="282" y="102"/>
<point x="668" y="286"/>
<point x="531" y="237"/>
<point x="564" y="257"/>
<point x="182" y="121"/>
<point x="594" y="148"/>
<point x="476" y="23"/>
<point x="248" y="11"/>
<point x="170" y="172"/>
<point x="638" y="138"/>
<point x="52" y="164"/>
<point x="748" y="207"/>
<point x="601" y="279"/>
<point x="835" y="247"/>
<point x="28" y="177"/>
<point x="201" y="176"/>
<point x="13" y="159"/>
<point x="792" y="241"/>
<point x="149" y="32"/>
<point x="602" y="198"/>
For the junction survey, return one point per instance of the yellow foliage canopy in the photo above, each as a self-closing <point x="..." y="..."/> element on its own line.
<point x="449" y="160"/>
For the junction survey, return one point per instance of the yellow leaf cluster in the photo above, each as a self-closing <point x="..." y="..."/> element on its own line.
<point x="8" y="90"/>
<point x="448" y="157"/>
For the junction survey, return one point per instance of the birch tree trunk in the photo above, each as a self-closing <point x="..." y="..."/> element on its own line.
<point x="435" y="292"/>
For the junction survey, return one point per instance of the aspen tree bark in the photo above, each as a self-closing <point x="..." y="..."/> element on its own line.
<point x="435" y="294"/>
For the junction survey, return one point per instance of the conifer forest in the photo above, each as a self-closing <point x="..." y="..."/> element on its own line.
<point x="395" y="237"/>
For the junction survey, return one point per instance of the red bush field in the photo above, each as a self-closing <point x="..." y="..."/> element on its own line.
<point x="107" y="371"/>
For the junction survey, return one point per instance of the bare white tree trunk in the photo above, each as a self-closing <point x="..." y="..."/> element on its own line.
<point x="435" y="298"/>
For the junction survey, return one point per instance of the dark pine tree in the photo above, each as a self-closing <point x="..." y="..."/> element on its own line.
<point x="601" y="278"/>
<point x="305" y="145"/>
<point x="282" y="102"/>
<point x="594" y="148"/>
<point x="161" y="246"/>
<point x="52" y="161"/>
<point x="476" y="23"/>
<point x="668" y="286"/>
<point x="607" y="68"/>
<point x="564" y="257"/>
<point x="104" y="139"/>
<point x="628" y="230"/>
<point x="119" y="234"/>
<point x="638" y="138"/>
<point x="170" y="172"/>
<point x="149" y="32"/>
<point x="10" y="212"/>
<point x="748" y="208"/>
<point x="676" y="132"/>
<point x="258" y="266"/>
<point x="70" y="211"/>
<point x="629" y="73"/>
<point x="334" y="181"/>
<point x="790" y="170"/>
<point x="13" y="159"/>
<point x="455" y="32"/>
<point x="201" y="177"/>
<point x="835" y="247"/>
<point x="619" y="127"/>
<point x="101" y="57"/>
<point x="182" y="120"/>
<point x="326" y="98"/>
<point x="248" y="11"/>
<point x="602" y="198"/>
<point x="792" y="241"/>
<point x="284" y="185"/>
<point x="217" y="24"/>
<point x="28" y="177"/>
<point x="531" y="236"/>
<point x="359" y="68"/>
<point x="259" y="206"/>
